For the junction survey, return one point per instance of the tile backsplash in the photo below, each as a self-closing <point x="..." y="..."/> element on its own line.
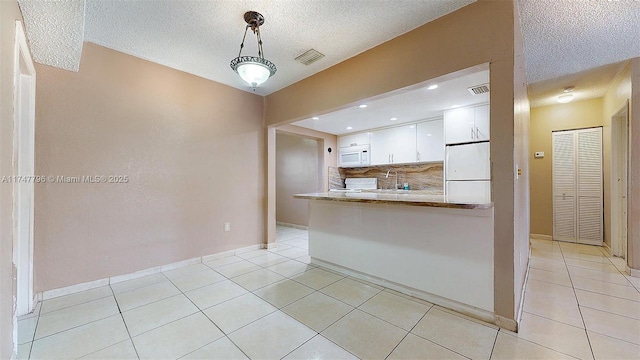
<point x="428" y="177"/>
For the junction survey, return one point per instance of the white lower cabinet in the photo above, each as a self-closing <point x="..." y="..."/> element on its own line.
<point x="394" y="146"/>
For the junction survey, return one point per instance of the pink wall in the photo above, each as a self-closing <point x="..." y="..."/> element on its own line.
<point x="299" y="169"/>
<point x="193" y="151"/>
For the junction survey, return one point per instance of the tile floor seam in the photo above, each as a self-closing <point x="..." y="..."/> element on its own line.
<point x="556" y="320"/>
<point x="80" y="303"/>
<point x="605" y="294"/>
<point x="495" y="340"/>
<point x="153" y="302"/>
<point x="407" y="334"/>
<point x="593" y="356"/>
<point x="431" y="341"/>
<point x="141" y="287"/>
<point x="124" y="322"/>
<point x="541" y="345"/>
<point x="609" y="312"/>
<point x="75" y="327"/>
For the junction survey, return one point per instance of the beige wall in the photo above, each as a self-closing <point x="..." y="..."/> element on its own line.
<point x="544" y="120"/>
<point x="479" y="33"/>
<point x="329" y="141"/>
<point x="298" y="170"/>
<point x="192" y="149"/>
<point x="9" y="13"/>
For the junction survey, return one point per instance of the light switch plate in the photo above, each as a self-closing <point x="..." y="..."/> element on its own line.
<point x="539" y="154"/>
<point x="227" y="226"/>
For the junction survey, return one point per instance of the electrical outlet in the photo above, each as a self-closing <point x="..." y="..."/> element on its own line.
<point x="227" y="226"/>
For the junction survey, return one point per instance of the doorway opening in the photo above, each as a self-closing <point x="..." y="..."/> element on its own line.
<point x="299" y="169"/>
<point x="23" y="168"/>
<point x="619" y="180"/>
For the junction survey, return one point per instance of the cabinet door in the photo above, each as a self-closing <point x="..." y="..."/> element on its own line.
<point x="393" y="146"/>
<point x="459" y="125"/>
<point x="403" y="144"/>
<point x="381" y="147"/>
<point x="353" y="139"/>
<point x="482" y="122"/>
<point x="430" y="141"/>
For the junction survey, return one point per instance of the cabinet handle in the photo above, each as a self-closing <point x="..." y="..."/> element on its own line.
<point x="389" y="158"/>
<point x="477" y="133"/>
<point x="392" y="158"/>
<point x="472" y="134"/>
<point x="418" y="155"/>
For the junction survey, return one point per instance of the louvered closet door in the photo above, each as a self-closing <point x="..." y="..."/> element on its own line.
<point x="564" y="184"/>
<point x="589" y="186"/>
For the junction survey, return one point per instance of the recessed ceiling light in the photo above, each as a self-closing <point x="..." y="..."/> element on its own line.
<point x="432" y="87"/>
<point x="349" y="128"/>
<point x="568" y="89"/>
<point x="315" y="118"/>
<point x="563" y="99"/>
<point x="455" y="106"/>
<point x="362" y="106"/>
<point x="393" y="119"/>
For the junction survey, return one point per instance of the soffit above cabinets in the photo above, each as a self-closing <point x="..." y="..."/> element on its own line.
<point x="407" y="105"/>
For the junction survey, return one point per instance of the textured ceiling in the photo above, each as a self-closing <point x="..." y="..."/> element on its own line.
<point x="563" y="39"/>
<point x="55" y="30"/>
<point x="201" y="37"/>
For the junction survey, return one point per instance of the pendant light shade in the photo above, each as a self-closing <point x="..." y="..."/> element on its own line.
<point x="255" y="70"/>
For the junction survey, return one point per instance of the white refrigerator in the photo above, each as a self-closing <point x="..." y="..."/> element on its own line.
<point x="468" y="173"/>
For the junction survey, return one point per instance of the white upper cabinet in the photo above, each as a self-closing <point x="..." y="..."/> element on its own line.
<point x="394" y="146"/>
<point x="354" y="139"/>
<point x="482" y="123"/>
<point x="430" y="141"/>
<point x="467" y="124"/>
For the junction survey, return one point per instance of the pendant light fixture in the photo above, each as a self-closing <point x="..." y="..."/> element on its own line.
<point x="255" y="70"/>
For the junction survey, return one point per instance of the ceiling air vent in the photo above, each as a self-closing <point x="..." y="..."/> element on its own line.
<point x="479" y="89"/>
<point x="309" y="57"/>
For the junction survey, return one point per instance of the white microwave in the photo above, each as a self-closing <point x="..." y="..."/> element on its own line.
<point x="354" y="156"/>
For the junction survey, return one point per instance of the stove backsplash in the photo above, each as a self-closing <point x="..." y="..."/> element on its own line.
<point x="427" y="177"/>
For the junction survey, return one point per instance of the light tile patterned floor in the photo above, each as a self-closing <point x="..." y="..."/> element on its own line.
<point x="273" y="305"/>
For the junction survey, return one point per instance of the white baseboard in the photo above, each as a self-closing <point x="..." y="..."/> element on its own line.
<point x="607" y="248"/>
<point x="634" y="272"/>
<point x="50" y="294"/>
<point x="301" y="227"/>
<point x="541" y="237"/>
<point x="471" y="311"/>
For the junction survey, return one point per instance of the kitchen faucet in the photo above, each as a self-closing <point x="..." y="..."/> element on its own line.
<point x="387" y="176"/>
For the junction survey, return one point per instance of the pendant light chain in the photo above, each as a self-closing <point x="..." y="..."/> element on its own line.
<point x="243" y="38"/>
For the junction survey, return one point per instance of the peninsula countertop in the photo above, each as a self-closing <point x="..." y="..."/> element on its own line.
<point x="399" y="197"/>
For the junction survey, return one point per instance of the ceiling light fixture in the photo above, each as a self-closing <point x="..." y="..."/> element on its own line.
<point x="455" y="106"/>
<point x="432" y="87"/>
<point x="563" y="99"/>
<point x="255" y="70"/>
<point x="315" y="118"/>
<point x="349" y="128"/>
<point x="393" y="119"/>
<point x="362" y="106"/>
<point x="568" y="89"/>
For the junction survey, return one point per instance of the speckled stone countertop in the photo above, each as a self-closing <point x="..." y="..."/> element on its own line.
<point x="399" y="197"/>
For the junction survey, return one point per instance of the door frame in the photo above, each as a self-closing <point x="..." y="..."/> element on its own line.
<point x="619" y="151"/>
<point x="23" y="165"/>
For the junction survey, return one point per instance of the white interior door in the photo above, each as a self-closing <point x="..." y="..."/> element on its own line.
<point x="619" y="173"/>
<point x="589" y="182"/>
<point x="577" y="186"/>
<point x="564" y="177"/>
<point x="23" y="159"/>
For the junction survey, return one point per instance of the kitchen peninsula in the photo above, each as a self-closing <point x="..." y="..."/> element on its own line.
<point x="421" y="245"/>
